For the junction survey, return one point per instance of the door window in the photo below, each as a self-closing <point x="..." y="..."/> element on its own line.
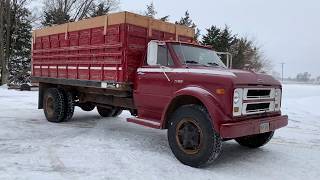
<point x="164" y="57"/>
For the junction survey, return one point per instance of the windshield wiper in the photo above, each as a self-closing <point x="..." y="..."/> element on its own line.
<point x="191" y="62"/>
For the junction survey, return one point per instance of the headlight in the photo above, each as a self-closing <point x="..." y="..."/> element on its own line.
<point x="236" y="97"/>
<point x="277" y="93"/>
<point x="237" y="102"/>
<point x="277" y="100"/>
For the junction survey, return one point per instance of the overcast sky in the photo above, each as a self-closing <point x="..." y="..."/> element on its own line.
<point x="287" y="30"/>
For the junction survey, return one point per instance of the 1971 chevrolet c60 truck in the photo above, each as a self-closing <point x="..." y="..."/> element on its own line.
<point x="125" y="61"/>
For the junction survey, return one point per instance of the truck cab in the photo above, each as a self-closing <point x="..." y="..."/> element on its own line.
<point x="177" y="78"/>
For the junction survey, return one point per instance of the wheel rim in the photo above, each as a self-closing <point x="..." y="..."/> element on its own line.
<point x="50" y="106"/>
<point x="189" y="136"/>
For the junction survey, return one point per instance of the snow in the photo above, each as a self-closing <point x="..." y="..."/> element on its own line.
<point x="90" y="147"/>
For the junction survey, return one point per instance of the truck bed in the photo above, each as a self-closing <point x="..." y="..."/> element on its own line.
<point x="102" y="49"/>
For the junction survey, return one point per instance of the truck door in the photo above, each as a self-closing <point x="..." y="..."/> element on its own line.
<point x="154" y="82"/>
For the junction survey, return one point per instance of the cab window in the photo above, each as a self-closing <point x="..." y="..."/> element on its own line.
<point x="164" y="57"/>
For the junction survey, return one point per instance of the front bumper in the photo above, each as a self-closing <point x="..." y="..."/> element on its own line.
<point x="251" y="126"/>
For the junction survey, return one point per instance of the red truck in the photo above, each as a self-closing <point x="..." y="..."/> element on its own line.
<point x="153" y="69"/>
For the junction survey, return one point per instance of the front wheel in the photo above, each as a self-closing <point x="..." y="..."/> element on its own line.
<point x="192" y="138"/>
<point x="255" y="141"/>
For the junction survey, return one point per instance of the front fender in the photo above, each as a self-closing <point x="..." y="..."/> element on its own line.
<point x="209" y="100"/>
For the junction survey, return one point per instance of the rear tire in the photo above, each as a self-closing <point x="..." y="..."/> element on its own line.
<point x="106" y="112"/>
<point x="255" y="141"/>
<point x="117" y="112"/>
<point x="192" y="138"/>
<point x="69" y="104"/>
<point x="87" y="106"/>
<point x="54" y="105"/>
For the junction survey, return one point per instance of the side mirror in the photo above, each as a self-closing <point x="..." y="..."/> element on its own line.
<point x="152" y="53"/>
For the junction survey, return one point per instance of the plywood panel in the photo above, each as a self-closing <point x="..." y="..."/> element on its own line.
<point x="50" y="30"/>
<point x="116" y="18"/>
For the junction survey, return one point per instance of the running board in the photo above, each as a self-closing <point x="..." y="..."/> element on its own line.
<point x="144" y="122"/>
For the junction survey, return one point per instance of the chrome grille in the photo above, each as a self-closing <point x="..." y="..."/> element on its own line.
<point x="258" y="106"/>
<point x="258" y="93"/>
<point x="258" y="100"/>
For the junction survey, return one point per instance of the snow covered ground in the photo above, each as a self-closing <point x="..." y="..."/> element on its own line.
<point x="90" y="147"/>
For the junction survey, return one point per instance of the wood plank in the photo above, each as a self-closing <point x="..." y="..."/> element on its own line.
<point x="116" y="18"/>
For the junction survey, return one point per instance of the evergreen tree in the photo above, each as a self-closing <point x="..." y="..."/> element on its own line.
<point x="104" y="7"/>
<point x="221" y="39"/>
<point x="165" y="18"/>
<point x="242" y="52"/>
<point x="151" y="10"/>
<point x="20" y="60"/>
<point x="245" y="54"/>
<point x="187" y="21"/>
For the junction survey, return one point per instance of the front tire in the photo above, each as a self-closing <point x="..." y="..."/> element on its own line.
<point x="255" y="141"/>
<point x="54" y="105"/>
<point x="192" y="138"/>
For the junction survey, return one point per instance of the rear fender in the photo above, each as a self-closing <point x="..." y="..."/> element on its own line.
<point x="208" y="99"/>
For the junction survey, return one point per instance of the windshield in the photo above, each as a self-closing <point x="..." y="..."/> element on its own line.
<point x="193" y="55"/>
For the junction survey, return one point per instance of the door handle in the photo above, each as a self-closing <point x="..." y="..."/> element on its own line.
<point x="141" y="73"/>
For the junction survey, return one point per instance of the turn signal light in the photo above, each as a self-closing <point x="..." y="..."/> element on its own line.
<point x="220" y="91"/>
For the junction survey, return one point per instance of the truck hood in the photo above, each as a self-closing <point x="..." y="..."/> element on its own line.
<point x="244" y="77"/>
<point x="240" y="77"/>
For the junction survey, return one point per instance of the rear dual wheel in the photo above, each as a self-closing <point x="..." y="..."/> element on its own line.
<point x="69" y="104"/>
<point x="104" y="111"/>
<point x="87" y="106"/>
<point x="58" y="105"/>
<point x="109" y="111"/>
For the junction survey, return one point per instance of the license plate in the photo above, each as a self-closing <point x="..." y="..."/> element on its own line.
<point x="264" y="127"/>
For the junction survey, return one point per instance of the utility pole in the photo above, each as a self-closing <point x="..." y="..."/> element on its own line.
<point x="282" y="67"/>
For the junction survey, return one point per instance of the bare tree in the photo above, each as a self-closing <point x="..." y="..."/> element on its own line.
<point x="8" y="39"/>
<point x="5" y="42"/>
<point x="62" y="11"/>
